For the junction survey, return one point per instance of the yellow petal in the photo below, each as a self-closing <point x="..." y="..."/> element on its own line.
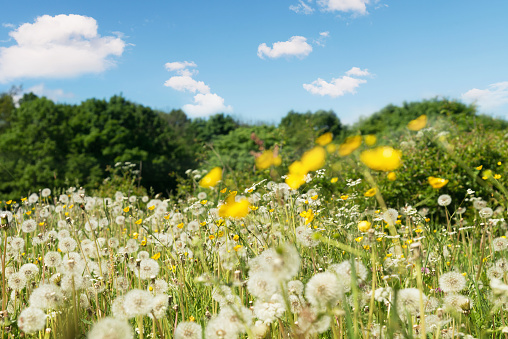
<point x="418" y="123"/>
<point x="212" y="178"/>
<point x="382" y="158"/>
<point x="324" y="139"/>
<point x="349" y="145"/>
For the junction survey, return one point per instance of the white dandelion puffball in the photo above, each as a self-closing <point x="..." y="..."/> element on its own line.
<point x="452" y="282"/>
<point x="486" y="212"/>
<point x="31" y="320"/>
<point x="323" y="289"/>
<point x="188" y="330"/>
<point x="444" y="200"/>
<point x="390" y="216"/>
<point x="111" y="328"/>
<point x="137" y="302"/>
<point x="29" y="226"/>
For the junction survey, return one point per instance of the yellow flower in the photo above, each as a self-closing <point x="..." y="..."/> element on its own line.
<point x="331" y="148"/>
<point x="437" y="182"/>
<point x="497" y="176"/>
<point x="151" y="208"/>
<point x="139" y="221"/>
<point x="349" y="145"/>
<point x="370" y="139"/>
<point x="371" y="192"/>
<point x="191" y="318"/>
<point x="253" y="208"/>
<point x="203" y="223"/>
<point x="499" y="163"/>
<point x="224" y="190"/>
<point x="418" y="123"/>
<point x="324" y="139"/>
<point x="358" y="239"/>
<point x="8" y="202"/>
<point x="308" y="215"/>
<point x="211" y="237"/>
<point x="203" y="202"/>
<point x="167" y="216"/>
<point x="234" y="209"/>
<point x="479" y="168"/>
<point x="150" y="288"/>
<point x="156" y="256"/>
<point x="28" y="212"/>
<point x="314" y="197"/>
<point x="23" y="199"/>
<point x="135" y="235"/>
<point x="180" y="225"/>
<point x="334" y="180"/>
<point x="236" y="237"/>
<point x="392" y="176"/>
<point x="267" y="159"/>
<point x="314" y="159"/>
<point x="126" y="209"/>
<point x="344" y="197"/>
<point x="364" y="226"/>
<point x="382" y="158"/>
<point x="212" y="178"/>
<point x="237" y="247"/>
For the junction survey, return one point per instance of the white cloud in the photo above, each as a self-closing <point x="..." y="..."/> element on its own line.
<point x="206" y="105"/>
<point x="356" y="6"/>
<point x="58" y="47"/>
<point x="356" y="71"/>
<point x="8" y="25"/>
<point x="325" y="34"/>
<point x="494" y="96"/>
<point x="338" y="86"/>
<point x="52" y="94"/>
<point x="186" y="83"/>
<point x="302" y="7"/>
<point x="179" y="65"/>
<point x="295" y="46"/>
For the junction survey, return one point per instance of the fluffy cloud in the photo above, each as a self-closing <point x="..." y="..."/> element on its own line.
<point x="338" y="86"/>
<point x="302" y="8"/>
<point x="356" y="71"/>
<point x="494" y="96"/>
<point x="295" y="46"/>
<point x="205" y="103"/>
<point x="186" y="83"/>
<point x="355" y="6"/>
<point x="53" y="94"/>
<point x="58" y="47"/>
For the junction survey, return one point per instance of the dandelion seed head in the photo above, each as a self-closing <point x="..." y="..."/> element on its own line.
<point x="137" y="302"/>
<point x="111" y="328"/>
<point x="52" y="259"/>
<point x="262" y="285"/>
<point x="29" y="226"/>
<point x="444" y="200"/>
<point x="452" y="282"/>
<point x="31" y="320"/>
<point x="188" y="330"/>
<point x="390" y="216"/>
<point x="46" y="296"/>
<point x="500" y="244"/>
<point x="408" y="301"/>
<point x="323" y="289"/>
<point x="29" y="270"/>
<point x="17" y="281"/>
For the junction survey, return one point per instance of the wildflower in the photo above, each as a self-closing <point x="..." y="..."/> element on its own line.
<point x="308" y="215"/>
<point x="437" y="182"/>
<point x="418" y="123"/>
<point x="350" y="145"/>
<point x="188" y="330"/>
<point x="148" y="268"/>
<point x="444" y="200"/>
<point x="486" y="212"/>
<point x="29" y="270"/>
<point x="212" y="178"/>
<point x="452" y="282"/>
<point x="219" y="328"/>
<point x="325" y="139"/>
<point x="390" y="216"/>
<point x="29" y="226"/>
<point x="31" y="320"/>
<point x="382" y="158"/>
<point x="137" y="302"/>
<point x="497" y="176"/>
<point x="334" y="180"/>
<point x="160" y="305"/>
<point x="323" y="289"/>
<point x="160" y="286"/>
<point x="262" y="285"/>
<point x="371" y="192"/>
<point x="458" y="302"/>
<point x="479" y="168"/>
<point x="52" y="259"/>
<point x="269" y="311"/>
<point x="370" y="139"/>
<point x="46" y="192"/>
<point x="500" y="244"/>
<point x="364" y="226"/>
<point x="344" y="271"/>
<point x="233" y="209"/>
<point x="17" y="281"/>
<point x="408" y="301"/>
<point x="295" y="287"/>
<point x="267" y="159"/>
<point x="46" y="296"/>
<point x="111" y="328"/>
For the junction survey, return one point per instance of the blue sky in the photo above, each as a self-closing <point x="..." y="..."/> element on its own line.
<point x="257" y="60"/>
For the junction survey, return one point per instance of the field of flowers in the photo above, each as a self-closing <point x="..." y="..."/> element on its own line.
<point x="274" y="259"/>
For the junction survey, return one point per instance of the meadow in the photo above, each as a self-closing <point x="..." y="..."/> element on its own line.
<point x="364" y="238"/>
